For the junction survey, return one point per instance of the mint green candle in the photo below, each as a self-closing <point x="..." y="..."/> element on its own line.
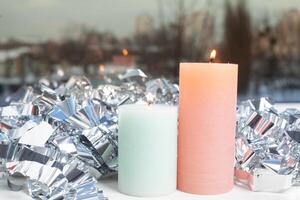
<point x="147" y="149"/>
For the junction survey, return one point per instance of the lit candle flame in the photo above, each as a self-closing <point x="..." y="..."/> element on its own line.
<point x="101" y="68"/>
<point x="125" y="52"/>
<point x="213" y="55"/>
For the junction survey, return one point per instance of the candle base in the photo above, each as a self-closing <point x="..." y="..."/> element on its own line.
<point x="144" y="193"/>
<point x="200" y="187"/>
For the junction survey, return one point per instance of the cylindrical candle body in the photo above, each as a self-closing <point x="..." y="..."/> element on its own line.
<point x="207" y="107"/>
<point x="147" y="149"/>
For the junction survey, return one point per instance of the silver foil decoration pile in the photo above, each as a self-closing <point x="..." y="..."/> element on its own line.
<point x="267" y="146"/>
<point x="56" y="138"/>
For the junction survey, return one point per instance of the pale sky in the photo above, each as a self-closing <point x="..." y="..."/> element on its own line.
<point x="43" y="19"/>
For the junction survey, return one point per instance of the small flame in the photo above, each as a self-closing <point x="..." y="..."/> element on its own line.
<point x="125" y="52"/>
<point x="101" y="68"/>
<point x="213" y="55"/>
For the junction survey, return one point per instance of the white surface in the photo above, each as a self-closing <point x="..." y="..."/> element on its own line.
<point x="110" y="188"/>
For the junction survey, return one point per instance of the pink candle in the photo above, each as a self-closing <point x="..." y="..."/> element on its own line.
<point x="207" y="107"/>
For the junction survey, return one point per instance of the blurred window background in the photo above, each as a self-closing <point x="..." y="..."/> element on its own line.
<point x="99" y="38"/>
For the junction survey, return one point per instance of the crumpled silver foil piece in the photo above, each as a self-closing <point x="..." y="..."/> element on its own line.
<point x="57" y="138"/>
<point x="267" y="146"/>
